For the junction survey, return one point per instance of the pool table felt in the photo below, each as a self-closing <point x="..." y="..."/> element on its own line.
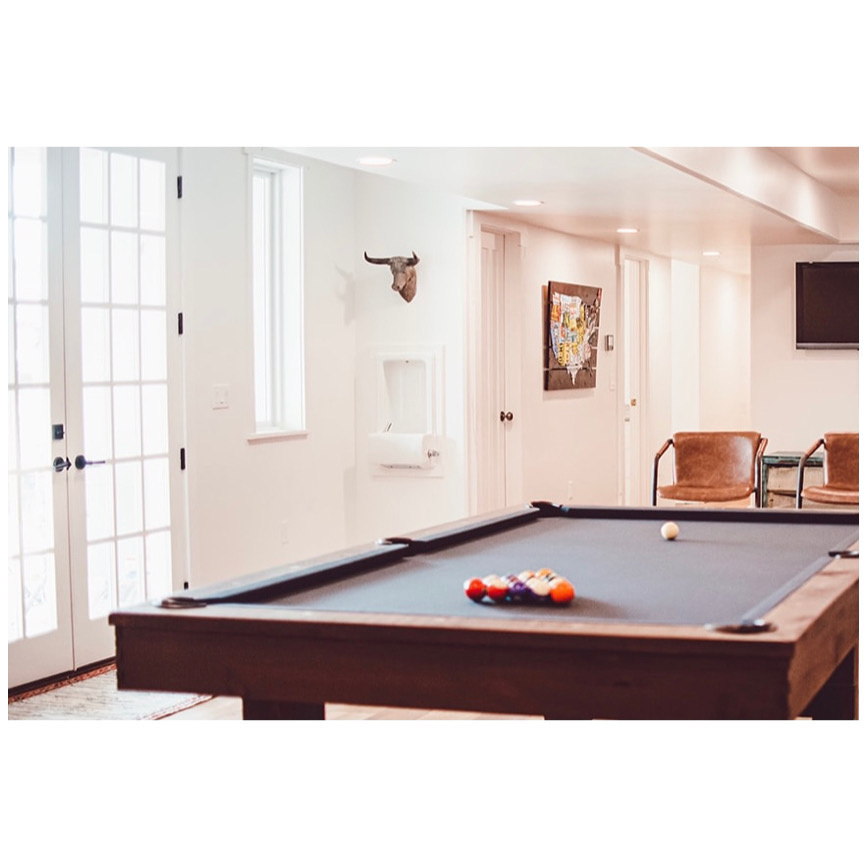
<point x="622" y="570"/>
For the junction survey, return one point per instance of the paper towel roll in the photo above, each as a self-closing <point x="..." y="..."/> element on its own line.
<point x="402" y="450"/>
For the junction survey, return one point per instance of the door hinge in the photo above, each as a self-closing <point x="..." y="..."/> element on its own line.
<point x="180" y="323"/>
<point x="183" y="459"/>
<point x="180" y="186"/>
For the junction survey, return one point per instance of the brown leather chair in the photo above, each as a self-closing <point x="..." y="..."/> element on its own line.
<point x="841" y="472"/>
<point x="712" y="467"/>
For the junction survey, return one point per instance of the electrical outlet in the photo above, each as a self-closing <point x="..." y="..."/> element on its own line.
<point x="220" y="397"/>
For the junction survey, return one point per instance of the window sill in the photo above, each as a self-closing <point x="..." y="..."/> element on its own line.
<point x="275" y="436"/>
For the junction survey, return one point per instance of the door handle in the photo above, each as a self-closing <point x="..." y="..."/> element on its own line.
<point x="506" y="416"/>
<point x="61" y="464"/>
<point x="81" y="462"/>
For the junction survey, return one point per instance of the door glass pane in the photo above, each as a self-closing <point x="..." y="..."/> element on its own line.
<point x="130" y="571"/>
<point x="94" y="266"/>
<point x="96" y="350"/>
<point x="159" y="565"/>
<point x="155" y="429"/>
<point x="99" y="502"/>
<point x="153" y="271"/>
<point x="128" y="492"/>
<point x="40" y="602"/>
<point x="153" y="195"/>
<point x="93" y="187"/>
<point x="156" y="489"/>
<point x="124" y="190"/>
<point x="29" y="260"/>
<point x="153" y="343"/>
<point x="14" y="602"/>
<point x="101" y="571"/>
<point x="28" y="182"/>
<point x="96" y="408"/>
<point x="13" y="534"/>
<point x="125" y="345"/>
<point x="31" y="345"/>
<point x="127" y="421"/>
<point x="34" y="428"/>
<point x="124" y="268"/>
<point x="37" y="530"/>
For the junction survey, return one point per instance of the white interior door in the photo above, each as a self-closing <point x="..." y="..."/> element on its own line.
<point x="112" y="329"/>
<point x="496" y="421"/>
<point x="635" y="476"/>
<point x="496" y="376"/>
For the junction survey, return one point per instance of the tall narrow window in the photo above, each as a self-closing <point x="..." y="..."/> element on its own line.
<point x="278" y="335"/>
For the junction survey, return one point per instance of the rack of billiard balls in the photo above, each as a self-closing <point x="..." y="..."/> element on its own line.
<point x="543" y="586"/>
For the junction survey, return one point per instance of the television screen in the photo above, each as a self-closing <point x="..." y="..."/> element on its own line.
<point x="826" y="305"/>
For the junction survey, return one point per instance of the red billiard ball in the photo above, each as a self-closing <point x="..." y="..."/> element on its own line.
<point x="475" y="588"/>
<point x="497" y="588"/>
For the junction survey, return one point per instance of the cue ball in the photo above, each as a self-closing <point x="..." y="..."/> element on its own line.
<point x="669" y="530"/>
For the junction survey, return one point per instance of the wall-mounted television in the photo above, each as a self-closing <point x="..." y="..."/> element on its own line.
<point x="826" y="305"/>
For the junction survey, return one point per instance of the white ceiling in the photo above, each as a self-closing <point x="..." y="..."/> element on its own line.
<point x="592" y="191"/>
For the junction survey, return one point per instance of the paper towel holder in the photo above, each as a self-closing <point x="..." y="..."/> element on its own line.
<point x="408" y="406"/>
<point x="431" y="453"/>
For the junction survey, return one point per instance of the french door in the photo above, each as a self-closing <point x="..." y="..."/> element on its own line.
<point x="96" y="500"/>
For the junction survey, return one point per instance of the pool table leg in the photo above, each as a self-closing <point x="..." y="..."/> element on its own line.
<point x="838" y="698"/>
<point x="259" y="709"/>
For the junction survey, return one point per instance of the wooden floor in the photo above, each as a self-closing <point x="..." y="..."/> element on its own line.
<point x="230" y="708"/>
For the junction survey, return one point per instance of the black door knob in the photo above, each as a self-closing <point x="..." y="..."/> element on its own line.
<point x="506" y="416"/>
<point x="81" y="462"/>
<point x="61" y="464"/>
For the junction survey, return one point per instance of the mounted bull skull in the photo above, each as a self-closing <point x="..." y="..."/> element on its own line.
<point x="403" y="272"/>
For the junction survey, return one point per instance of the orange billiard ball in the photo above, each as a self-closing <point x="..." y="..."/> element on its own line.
<point x="562" y="591"/>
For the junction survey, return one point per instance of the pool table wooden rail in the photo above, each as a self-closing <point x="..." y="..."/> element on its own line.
<point x="287" y="663"/>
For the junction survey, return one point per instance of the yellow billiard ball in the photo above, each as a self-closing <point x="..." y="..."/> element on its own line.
<point x="669" y="530"/>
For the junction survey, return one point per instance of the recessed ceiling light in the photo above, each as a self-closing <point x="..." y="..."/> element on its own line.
<point x="627" y="230"/>
<point x="710" y="253"/>
<point x="376" y="161"/>
<point x="527" y="203"/>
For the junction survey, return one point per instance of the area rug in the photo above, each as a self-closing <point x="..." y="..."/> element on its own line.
<point x="95" y="696"/>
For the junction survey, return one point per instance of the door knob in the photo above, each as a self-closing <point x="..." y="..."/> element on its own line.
<point x="61" y="464"/>
<point x="81" y="462"/>
<point x="506" y="416"/>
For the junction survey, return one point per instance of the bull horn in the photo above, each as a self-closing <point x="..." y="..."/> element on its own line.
<point x="376" y="261"/>
<point x="414" y="260"/>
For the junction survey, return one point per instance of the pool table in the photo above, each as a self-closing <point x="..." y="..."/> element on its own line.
<point x="747" y="614"/>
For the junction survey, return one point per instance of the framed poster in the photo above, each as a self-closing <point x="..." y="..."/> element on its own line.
<point x="571" y="335"/>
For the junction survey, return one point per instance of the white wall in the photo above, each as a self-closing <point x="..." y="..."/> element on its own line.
<point x="317" y="490"/>
<point x="796" y="394"/>
<point x="242" y="493"/>
<point x="724" y="373"/>
<point x="685" y="347"/>
<point x="658" y="400"/>
<point x="396" y="219"/>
